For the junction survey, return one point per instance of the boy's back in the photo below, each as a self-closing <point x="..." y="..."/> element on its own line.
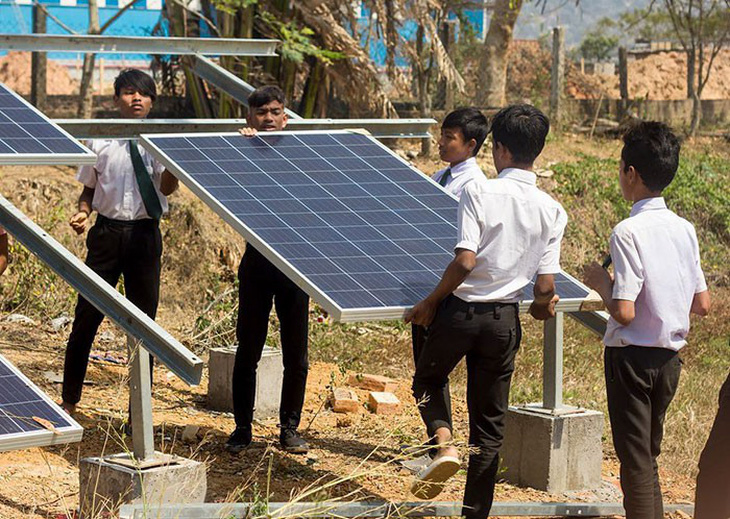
<point x="657" y="255"/>
<point x="517" y="233"/>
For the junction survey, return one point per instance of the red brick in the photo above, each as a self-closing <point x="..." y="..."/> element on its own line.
<point x="344" y="400"/>
<point x="373" y="382"/>
<point x="383" y="403"/>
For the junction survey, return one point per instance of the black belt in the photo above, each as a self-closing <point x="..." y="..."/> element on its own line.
<point x="101" y="219"/>
<point x="480" y="307"/>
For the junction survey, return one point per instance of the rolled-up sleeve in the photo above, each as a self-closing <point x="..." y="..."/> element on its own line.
<point x="627" y="267"/>
<point x="469" y="227"/>
<point x="550" y="261"/>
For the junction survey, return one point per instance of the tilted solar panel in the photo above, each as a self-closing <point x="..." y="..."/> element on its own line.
<point x="21" y="403"/>
<point x="28" y="137"/>
<point x="358" y="228"/>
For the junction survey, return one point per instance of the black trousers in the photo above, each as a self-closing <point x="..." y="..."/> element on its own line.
<point x="115" y="248"/>
<point x="713" y="482"/>
<point x="488" y="335"/>
<point x="640" y="383"/>
<point x="418" y="339"/>
<point x="260" y="285"/>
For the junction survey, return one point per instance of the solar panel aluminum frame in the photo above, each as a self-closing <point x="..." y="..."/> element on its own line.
<point x="42" y="437"/>
<point x="568" y="304"/>
<point x="51" y="159"/>
<point x="333" y="309"/>
<point x="319" y="295"/>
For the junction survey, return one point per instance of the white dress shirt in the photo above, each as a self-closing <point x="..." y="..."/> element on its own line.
<point x="515" y="230"/>
<point x="461" y="175"/>
<point x="116" y="194"/>
<point x="656" y="261"/>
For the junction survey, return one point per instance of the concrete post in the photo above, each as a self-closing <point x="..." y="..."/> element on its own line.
<point x="38" y="62"/>
<point x="557" y="76"/>
<point x="140" y="397"/>
<point x="552" y="367"/>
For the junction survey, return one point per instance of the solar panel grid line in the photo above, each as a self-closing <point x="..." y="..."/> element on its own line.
<point x="281" y="154"/>
<point x="20" y="402"/>
<point x="28" y="137"/>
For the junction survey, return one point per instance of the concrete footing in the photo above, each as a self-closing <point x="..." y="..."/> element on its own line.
<point x="109" y="482"/>
<point x="553" y="450"/>
<point x="269" y="378"/>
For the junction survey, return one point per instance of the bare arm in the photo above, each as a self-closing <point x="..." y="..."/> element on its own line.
<point x="598" y="278"/>
<point x="168" y="183"/>
<point x="3" y="252"/>
<point x="545" y="298"/>
<point x="81" y="218"/>
<point x="454" y="275"/>
<point x="701" y="303"/>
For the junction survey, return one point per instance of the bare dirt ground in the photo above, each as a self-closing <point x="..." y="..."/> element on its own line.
<point x="360" y="449"/>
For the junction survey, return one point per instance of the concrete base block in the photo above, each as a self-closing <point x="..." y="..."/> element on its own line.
<point x="109" y="482"/>
<point x="555" y="452"/>
<point x="269" y="377"/>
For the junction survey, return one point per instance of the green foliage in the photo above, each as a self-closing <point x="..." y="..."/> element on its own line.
<point x="297" y="41"/>
<point x="233" y="6"/>
<point x="598" y="47"/>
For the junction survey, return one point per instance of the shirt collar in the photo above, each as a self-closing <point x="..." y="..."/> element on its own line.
<point x="648" y="204"/>
<point x="463" y="167"/>
<point x="520" y="175"/>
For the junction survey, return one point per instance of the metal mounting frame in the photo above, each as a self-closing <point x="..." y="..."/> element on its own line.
<point x="138" y="44"/>
<point x="99" y="293"/>
<point x="133" y="128"/>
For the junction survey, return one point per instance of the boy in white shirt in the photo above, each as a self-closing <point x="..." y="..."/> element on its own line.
<point x="463" y="133"/>
<point x="657" y="283"/>
<point x="508" y="231"/>
<point x="128" y="189"/>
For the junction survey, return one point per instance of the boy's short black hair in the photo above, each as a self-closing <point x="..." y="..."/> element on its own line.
<point x="265" y="95"/>
<point x="133" y="78"/>
<point x="653" y="149"/>
<point x="472" y="123"/>
<point x="522" y="129"/>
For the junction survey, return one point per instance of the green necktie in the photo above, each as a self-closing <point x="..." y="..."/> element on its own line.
<point x="144" y="183"/>
<point x="445" y="177"/>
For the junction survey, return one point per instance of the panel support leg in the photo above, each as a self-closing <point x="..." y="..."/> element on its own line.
<point x="552" y="368"/>
<point x="140" y="396"/>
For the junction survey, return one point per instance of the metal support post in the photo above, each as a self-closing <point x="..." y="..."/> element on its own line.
<point x="552" y="369"/>
<point x="140" y="400"/>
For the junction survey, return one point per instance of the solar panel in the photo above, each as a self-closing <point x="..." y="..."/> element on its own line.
<point x="21" y="405"/>
<point x="28" y="137"/>
<point x="359" y="229"/>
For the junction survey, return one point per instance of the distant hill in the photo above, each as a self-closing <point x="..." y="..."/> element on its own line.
<point x="577" y="19"/>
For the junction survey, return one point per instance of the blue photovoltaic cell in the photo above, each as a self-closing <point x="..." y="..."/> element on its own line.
<point x="24" y="131"/>
<point x="359" y="223"/>
<point x="20" y="402"/>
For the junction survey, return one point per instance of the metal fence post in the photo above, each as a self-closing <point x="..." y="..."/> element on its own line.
<point x="140" y="400"/>
<point x="552" y="369"/>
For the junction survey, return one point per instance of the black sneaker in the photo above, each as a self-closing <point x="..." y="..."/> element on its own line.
<point x="239" y="440"/>
<point x="292" y="442"/>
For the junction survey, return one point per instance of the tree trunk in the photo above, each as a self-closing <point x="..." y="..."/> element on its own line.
<point x="311" y="89"/>
<point x="86" y="95"/>
<point x="423" y="75"/>
<point x="493" y="77"/>
<point x="691" y="73"/>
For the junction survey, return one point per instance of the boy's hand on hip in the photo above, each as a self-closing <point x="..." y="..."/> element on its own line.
<point x="78" y="222"/>
<point x="422" y="313"/>
<point x="542" y="312"/>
